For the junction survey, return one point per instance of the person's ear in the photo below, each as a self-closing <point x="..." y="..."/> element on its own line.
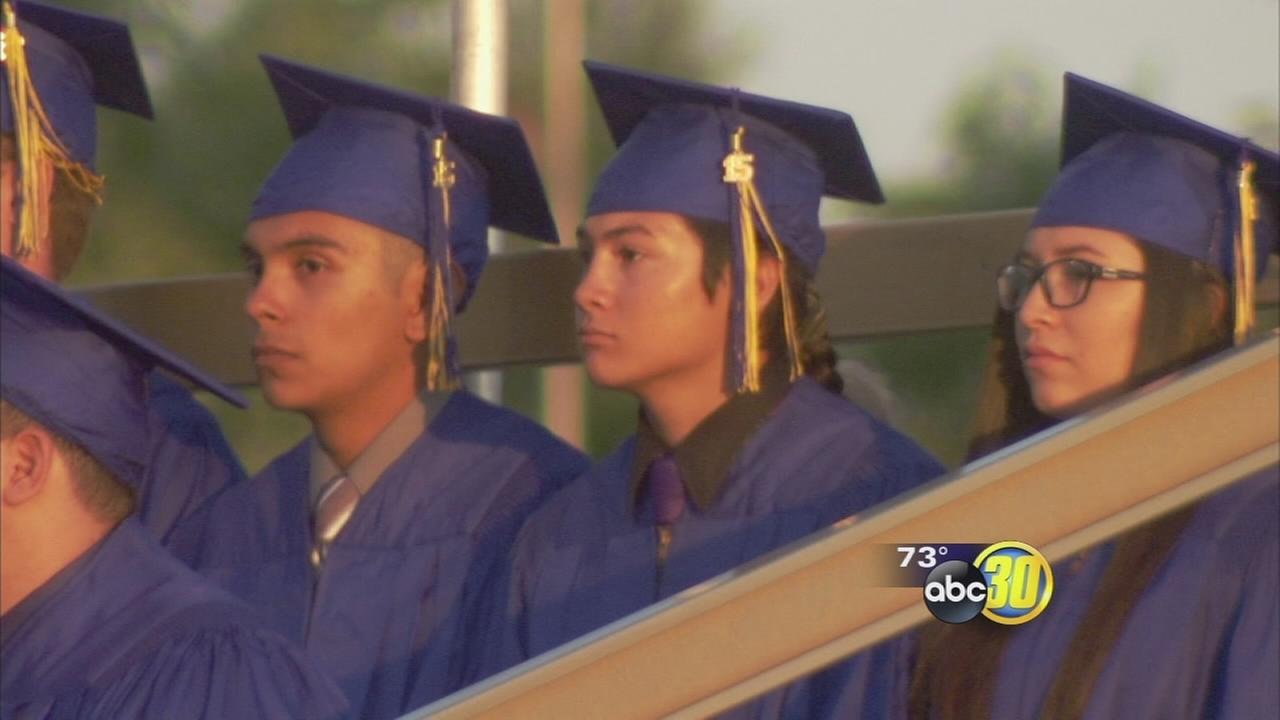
<point x="768" y="278"/>
<point x="1218" y="303"/>
<point x="27" y="461"/>
<point x="459" y="283"/>
<point x="414" y="289"/>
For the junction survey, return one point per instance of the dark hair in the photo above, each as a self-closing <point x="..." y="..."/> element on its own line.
<point x="956" y="668"/>
<point x="96" y="487"/>
<point x="817" y="356"/>
<point x="1193" y="323"/>
<point x="70" y="209"/>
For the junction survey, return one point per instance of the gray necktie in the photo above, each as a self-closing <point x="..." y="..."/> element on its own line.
<point x="333" y="509"/>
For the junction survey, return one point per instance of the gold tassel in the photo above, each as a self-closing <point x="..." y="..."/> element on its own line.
<point x="440" y="318"/>
<point x="789" y="322"/>
<point x="37" y="142"/>
<point x="739" y="169"/>
<point x="442" y="175"/>
<point x="438" y="376"/>
<point x="1245" y="262"/>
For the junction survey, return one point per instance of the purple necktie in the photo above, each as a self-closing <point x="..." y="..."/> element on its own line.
<point x="666" y="489"/>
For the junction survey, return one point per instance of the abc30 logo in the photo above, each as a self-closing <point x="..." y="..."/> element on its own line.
<point x="1010" y="583"/>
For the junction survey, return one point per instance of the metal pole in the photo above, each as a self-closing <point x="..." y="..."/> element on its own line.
<point x="480" y="82"/>
<point x="564" y="143"/>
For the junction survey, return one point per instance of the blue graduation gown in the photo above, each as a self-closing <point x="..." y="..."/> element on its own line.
<point x="189" y="459"/>
<point x="387" y="617"/>
<point x="587" y="559"/>
<point x="128" y="632"/>
<point x="1202" y="641"/>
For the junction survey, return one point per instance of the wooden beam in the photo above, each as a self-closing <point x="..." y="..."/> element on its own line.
<point x="878" y="278"/>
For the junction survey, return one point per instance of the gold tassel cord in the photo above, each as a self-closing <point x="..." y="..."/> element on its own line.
<point x="1245" y="262"/>
<point x="37" y="142"/>
<point x="440" y="318"/>
<point x="438" y="376"/>
<point x="789" y="322"/>
<point x="739" y="170"/>
<point x="442" y="175"/>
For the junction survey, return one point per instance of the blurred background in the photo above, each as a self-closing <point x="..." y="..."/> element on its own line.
<point x="957" y="102"/>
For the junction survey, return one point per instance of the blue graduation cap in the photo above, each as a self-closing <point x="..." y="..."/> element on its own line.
<point x="80" y="373"/>
<point x="58" y="66"/>
<point x="1137" y="168"/>
<point x="757" y="163"/>
<point x="428" y="170"/>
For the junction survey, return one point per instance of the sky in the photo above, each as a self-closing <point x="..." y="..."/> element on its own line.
<point x="894" y="64"/>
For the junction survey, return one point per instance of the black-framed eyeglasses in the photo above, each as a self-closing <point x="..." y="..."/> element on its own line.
<point x="1065" y="281"/>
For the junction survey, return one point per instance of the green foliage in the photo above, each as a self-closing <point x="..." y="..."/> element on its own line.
<point x="179" y="188"/>
<point x="1000" y="132"/>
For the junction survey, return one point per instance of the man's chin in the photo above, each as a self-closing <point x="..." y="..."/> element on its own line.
<point x="608" y="378"/>
<point x="281" y="397"/>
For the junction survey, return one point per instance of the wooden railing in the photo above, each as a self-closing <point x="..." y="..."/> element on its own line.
<point x="878" y="278"/>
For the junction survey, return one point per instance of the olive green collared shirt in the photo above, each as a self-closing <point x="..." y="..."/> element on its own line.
<point x="385" y="449"/>
<point x="706" y="456"/>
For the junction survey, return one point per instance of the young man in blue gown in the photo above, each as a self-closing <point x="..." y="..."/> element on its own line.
<point x="96" y="619"/>
<point x="366" y="542"/>
<point x="701" y="242"/>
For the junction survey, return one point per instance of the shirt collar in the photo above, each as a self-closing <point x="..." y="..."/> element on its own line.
<point x="385" y="449"/>
<point x="707" y="455"/>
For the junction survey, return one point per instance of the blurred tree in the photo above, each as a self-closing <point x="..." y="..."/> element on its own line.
<point x="1000" y="132"/>
<point x="179" y="188"/>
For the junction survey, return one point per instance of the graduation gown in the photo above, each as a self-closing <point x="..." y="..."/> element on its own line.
<point x="1202" y="641"/>
<point x="589" y="557"/>
<point x="126" y="631"/>
<point x="189" y="459"/>
<point x="386" y="616"/>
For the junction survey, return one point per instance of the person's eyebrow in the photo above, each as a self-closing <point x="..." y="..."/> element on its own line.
<point x="1081" y="249"/>
<point x="624" y="230"/>
<point x="306" y="240"/>
<point x="586" y="238"/>
<point x="313" y="240"/>
<point x="1068" y="251"/>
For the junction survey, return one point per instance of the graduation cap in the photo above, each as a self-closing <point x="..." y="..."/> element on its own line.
<point x="80" y="373"/>
<point x="759" y="164"/>
<point x="428" y="170"/>
<point x="58" y="66"/>
<point x="1134" y="167"/>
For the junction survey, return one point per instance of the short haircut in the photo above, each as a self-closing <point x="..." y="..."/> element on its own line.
<point x="70" y="209"/>
<point x="96" y="487"/>
<point x="398" y="254"/>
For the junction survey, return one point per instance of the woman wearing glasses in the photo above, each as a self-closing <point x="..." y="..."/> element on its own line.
<point x="1128" y="273"/>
